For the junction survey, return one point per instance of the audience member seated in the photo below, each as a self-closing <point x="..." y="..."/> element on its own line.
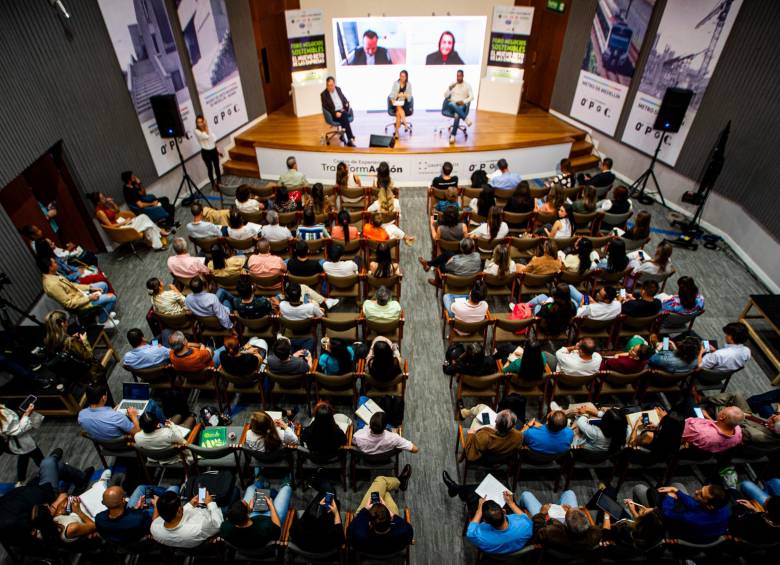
<point x="545" y="264"/>
<point x="552" y="438"/>
<point x="185" y="526"/>
<point x="500" y="263"/>
<point x="79" y="297"/>
<point x="282" y="361"/>
<point x="247" y="203"/>
<point x="168" y="302"/>
<point x="377" y="230"/>
<point x="715" y="436"/>
<point x="757" y="526"/>
<point x="565" y="178"/>
<point x="645" y="305"/>
<point x="184" y="265"/>
<point x="628" y="362"/>
<point x="640" y="231"/>
<point x="375" y="438"/>
<point x="493" y="228"/>
<point x="383" y="362"/>
<point x="482" y="204"/>
<point x="337" y="358"/>
<point x="616" y="260"/>
<point x="660" y="264"/>
<point x="700" y="518"/>
<point x="602" y="179"/>
<point x="284" y="200"/>
<point x="127" y="520"/>
<point x="582" y="258"/>
<point x="240" y="229"/>
<point x="644" y="531"/>
<point x="199" y="228"/>
<point x="490" y="440"/>
<point x="562" y="228"/>
<point x="580" y="360"/>
<point x="319" y="202"/>
<point x="222" y="265"/>
<point x="554" y="313"/>
<point x="466" y="263"/>
<point x="383" y="308"/>
<point x="451" y="199"/>
<point x="338" y="267"/>
<point x="164" y="434"/>
<point x="324" y="435"/>
<point x="207" y="304"/>
<point x="107" y="213"/>
<point x="688" y="301"/>
<point x="300" y="265"/>
<point x="189" y="357"/>
<point x="144" y="355"/>
<point x="272" y="231"/>
<point x="237" y="360"/>
<point x="103" y="423"/>
<point x="679" y="358"/>
<point x="618" y="203"/>
<point x="246" y="529"/>
<point x="46" y="249"/>
<point x="267" y="435"/>
<point x="311" y="230"/>
<point x="293" y="308"/>
<point x="383" y="266"/>
<point x="262" y="263"/>
<point x="449" y="226"/>
<point x="521" y="201"/>
<point x="159" y="210"/>
<point x="342" y="229"/>
<point x="492" y="529"/>
<point x="469" y="360"/>
<point x="378" y="528"/>
<point x="319" y="528"/>
<point x="74" y="351"/>
<point x="446" y="180"/>
<point x="609" y="435"/>
<point x="552" y="202"/>
<point x="731" y="357"/>
<point x="602" y="306"/>
<point x="292" y="179"/>
<point x="529" y="362"/>
<point x="503" y="178"/>
<point x="573" y="535"/>
<point x="588" y="202"/>
<point x="471" y="308"/>
<point x="72" y="254"/>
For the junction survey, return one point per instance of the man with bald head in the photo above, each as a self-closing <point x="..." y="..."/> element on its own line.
<point x="715" y="436"/>
<point x="127" y="520"/>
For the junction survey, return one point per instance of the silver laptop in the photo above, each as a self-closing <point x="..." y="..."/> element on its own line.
<point x="134" y="395"/>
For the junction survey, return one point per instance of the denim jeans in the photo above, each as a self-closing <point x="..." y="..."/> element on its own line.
<point x="537" y="301"/>
<point x="104" y="303"/>
<point x="449" y="299"/>
<point x="281" y="501"/>
<point x="53" y="470"/>
<point x="460" y="114"/>
<point x="156" y="409"/>
<point x="217" y="353"/>
<point x="225" y="298"/>
<point x="761" y="404"/>
<point x="532" y="504"/>
<point x="140" y="491"/>
<point x="754" y="492"/>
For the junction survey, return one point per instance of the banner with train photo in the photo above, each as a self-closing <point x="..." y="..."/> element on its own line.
<point x="686" y="49"/>
<point x="206" y="31"/>
<point x="150" y="63"/>
<point x="619" y="28"/>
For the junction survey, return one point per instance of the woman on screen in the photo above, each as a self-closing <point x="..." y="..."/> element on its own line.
<point x="400" y="97"/>
<point x="446" y="54"/>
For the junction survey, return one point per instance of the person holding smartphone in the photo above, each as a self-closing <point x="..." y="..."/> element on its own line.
<point x="188" y="525"/>
<point x="16" y="432"/>
<point x="319" y="529"/>
<point x="245" y="528"/>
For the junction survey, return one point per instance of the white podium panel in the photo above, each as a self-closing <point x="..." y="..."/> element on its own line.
<point x="306" y="98"/>
<point x="499" y="95"/>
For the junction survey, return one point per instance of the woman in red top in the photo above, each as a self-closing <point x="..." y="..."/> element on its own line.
<point x="107" y="213"/>
<point x="377" y="231"/>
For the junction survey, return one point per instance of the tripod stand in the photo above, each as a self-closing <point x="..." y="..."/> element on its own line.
<point x="638" y="193"/>
<point x="192" y="188"/>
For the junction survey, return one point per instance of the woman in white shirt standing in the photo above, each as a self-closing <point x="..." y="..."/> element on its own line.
<point x="208" y="150"/>
<point x="17" y="434"/>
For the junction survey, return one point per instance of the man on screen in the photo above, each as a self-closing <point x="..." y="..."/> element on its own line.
<point x="370" y="53"/>
<point x="446" y="55"/>
<point x="335" y="103"/>
<point x="458" y="96"/>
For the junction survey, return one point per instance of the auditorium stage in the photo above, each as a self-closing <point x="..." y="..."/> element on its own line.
<point x="533" y="142"/>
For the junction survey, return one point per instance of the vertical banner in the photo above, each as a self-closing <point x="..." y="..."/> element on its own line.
<point x="206" y="31"/>
<point x="686" y="50"/>
<point x="143" y="42"/>
<point x="509" y="32"/>
<point x="306" y="37"/>
<point x="616" y="37"/>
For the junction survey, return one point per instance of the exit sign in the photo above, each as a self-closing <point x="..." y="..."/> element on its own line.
<point x="556" y="6"/>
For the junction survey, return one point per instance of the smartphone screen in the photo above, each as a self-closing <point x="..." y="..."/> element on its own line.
<point x="622" y="293"/>
<point x="586" y="299"/>
<point x="201" y="495"/>
<point x="328" y="498"/>
<point x="698" y="412"/>
<point x="32" y="399"/>
<point x="155" y="342"/>
<point x="645" y="419"/>
<point x="486" y="418"/>
<point x="666" y="344"/>
<point x="374" y="498"/>
<point x="706" y="345"/>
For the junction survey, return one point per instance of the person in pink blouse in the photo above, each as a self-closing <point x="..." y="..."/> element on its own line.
<point x="183" y="264"/>
<point x="718" y="435"/>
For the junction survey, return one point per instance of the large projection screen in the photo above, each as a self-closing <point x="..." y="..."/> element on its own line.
<point x="419" y="45"/>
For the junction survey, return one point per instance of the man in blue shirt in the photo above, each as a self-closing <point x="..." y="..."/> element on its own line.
<point x="205" y="304"/>
<point x="504" y="179"/>
<point x="552" y="438"/>
<point x="127" y="520"/>
<point x="103" y="423"/>
<point x="494" y="531"/>
<point x="144" y="355"/>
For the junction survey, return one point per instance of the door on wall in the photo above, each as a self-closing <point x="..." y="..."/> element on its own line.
<point x="272" y="49"/>
<point x="48" y="184"/>
<point x="543" y="52"/>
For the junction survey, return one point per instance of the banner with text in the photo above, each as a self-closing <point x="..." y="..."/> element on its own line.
<point x="150" y="65"/>
<point x="616" y="37"/>
<point x="306" y="37"/>
<point x="687" y="47"/>
<point x="206" y="31"/>
<point x="509" y="32"/>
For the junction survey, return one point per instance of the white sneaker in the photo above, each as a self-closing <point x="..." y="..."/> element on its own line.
<point x="112" y="315"/>
<point x="105" y="476"/>
<point x="18" y="484"/>
<point x="468" y="122"/>
<point x="452" y="139"/>
<point x="111" y="323"/>
<point x="511" y="306"/>
<point x="331" y="302"/>
<point x="554" y="406"/>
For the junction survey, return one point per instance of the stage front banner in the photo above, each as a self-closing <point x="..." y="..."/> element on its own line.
<point x="206" y="31"/>
<point x="686" y="50"/>
<point x="150" y="65"/>
<point x="413" y="169"/>
<point x="306" y="37"/>
<point x="616" y="37"/>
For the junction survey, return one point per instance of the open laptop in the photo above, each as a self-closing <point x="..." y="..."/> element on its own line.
<point x="134" y="395"/>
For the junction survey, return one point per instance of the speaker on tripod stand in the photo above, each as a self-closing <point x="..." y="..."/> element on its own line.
<point x="169" y="123"/>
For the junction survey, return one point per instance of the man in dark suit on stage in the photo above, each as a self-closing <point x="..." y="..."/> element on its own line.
<point x="370" y="53"/>
<point x="335" y="103"/>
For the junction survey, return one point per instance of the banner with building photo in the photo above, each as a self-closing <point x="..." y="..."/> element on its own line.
<point x="306" y="37"/>
<point x="206" y="31"/>
<point x="509" y="34"/>
<point x="143" y="41"/>
<point x="616" y="37"/>
<point x="686" y="49"/>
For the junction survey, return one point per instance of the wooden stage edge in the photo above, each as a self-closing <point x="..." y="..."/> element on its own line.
<point x="490" y="131"/>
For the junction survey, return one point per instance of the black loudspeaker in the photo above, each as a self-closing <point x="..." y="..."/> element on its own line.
<point x="381" y="141"/>
<point x="672" y="111"/>
<point x="167" y="116"/>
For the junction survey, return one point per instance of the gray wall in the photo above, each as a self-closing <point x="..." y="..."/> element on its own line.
<point x="743" y="90"/>
<point x="56" y="88"/>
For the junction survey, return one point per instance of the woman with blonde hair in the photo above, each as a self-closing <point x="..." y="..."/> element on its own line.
<point x="500" y="264"/>
<point x="75" y="349"/>
<point x="266" y="435"/>
<point x="168" y="302"/>
<point x="385" y="202"/>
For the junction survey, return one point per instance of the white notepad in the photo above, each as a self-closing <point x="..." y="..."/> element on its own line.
<point x="492" y="489"/>
<point x="367" y="410"/>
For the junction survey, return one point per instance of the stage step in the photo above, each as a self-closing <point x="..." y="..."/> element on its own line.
<point x="243" y="153"/>
<point x="580" y="148"/>
<point x="241" y="169"/>
<point x="584" y="163"/>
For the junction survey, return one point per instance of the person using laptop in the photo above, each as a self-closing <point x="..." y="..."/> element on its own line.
<point x="163" y="434"/>
<point x="104" y="423"/>
<point x="144" y="355"/>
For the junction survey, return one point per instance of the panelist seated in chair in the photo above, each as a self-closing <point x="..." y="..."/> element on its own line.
<point x="400" y="101"/>
<point x="457" y="99"/>
<point x="336" y="104"/>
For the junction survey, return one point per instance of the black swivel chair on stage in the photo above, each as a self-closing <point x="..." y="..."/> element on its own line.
<point x="409" y="109"/>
